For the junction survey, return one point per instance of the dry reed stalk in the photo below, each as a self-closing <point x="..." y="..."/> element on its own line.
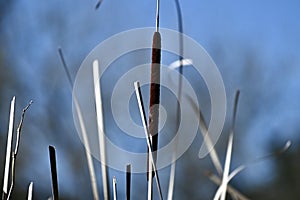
<point x="221" y="193"/>
<point x="16" y="150"/>
<point x="52" y="156"/>
<point x="232" y="191"/>
<point x="213" y="154"/>
<point x="99" y="111"/>
<point x="146" y="130"/>
<point x="207" y="141"/>
<point x="89" y="158"/>
<point x="30" y="191"/>
<point x="173" y="165"/>
<point x="8" y="148"/>
<point x="128" y="181"/>
<point x="237" y="170"/>
<point x="115" y="194"/>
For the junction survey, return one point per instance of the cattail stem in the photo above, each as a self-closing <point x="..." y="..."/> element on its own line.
<point x="52" y="156"/>
<point x="155" y="92"/>
<point x="128" y="181"/>
<point x="154" y="105"/>
<point x="157" y="15"/>
<point x="146" y="130"/>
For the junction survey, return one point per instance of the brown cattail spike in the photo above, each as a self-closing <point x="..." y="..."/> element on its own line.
<point x="155" y="92"/>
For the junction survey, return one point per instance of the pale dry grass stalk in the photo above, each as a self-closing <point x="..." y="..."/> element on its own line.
<point x="8" y="148"/>
<point x="173" y="165"/>
<point x="30" y="191"/>
<point x="89" y="158"/>
<point x="115" y="193"/>
<point x="207" y="141"/>
<point x="221" y="193"/>
<point x="213" y="154"/>
<point x="101" y="134"/>
<point x="146" y="130"/>
<point x="232" y="191"/>
<point x="16" y="150"/>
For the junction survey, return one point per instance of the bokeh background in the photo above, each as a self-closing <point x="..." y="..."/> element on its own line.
<point x="255" y="45"/>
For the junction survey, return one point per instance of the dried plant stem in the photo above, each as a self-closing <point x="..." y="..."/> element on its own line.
<point x="15" y="152"/>
<point x="52" y="156"/>
<point x="223" y="187"/>
<point x="62" y="58"/>
<point x="30" y="191"/>
<point x="150" y="180"/>
<point x="83" y="131"/>
<point x="232" y="191"/>
<point x="157" y="15"/>
<point x="8" y="148"/>
<point x="244" y="166"/>
<point x="146" y="130"/>
<point x="128" y="181"/>
<point x="99" y="111"/>
<point x="87" y="151"/>
<point x="115" y="188"/>
<point x="173" y="165"/>
<point x="204" y="131"/>
<point x="172" y="180"/>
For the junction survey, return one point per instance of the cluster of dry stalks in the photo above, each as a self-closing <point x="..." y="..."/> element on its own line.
<point x="150" y="125"/>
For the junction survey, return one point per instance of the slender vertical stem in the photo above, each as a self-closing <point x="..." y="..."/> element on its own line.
<point x="172" y="180"/>
<point x="128" y="181"/>
<point x="173" y="165"/>
<point x="62" y="58"/>
<point x="157" y="15"/>
<point x="53" y="172"/>
<point x="83" y="132"/>
<point x="99" y="111"/>
<point x="146" y="130"/>
<point x="8" y="149"/>
<point x="30" y="191"/>
<point x="115" y="194"/>
<point x="154" y="97"/>
<point x="15" y="152"/>
<point x="221" y="193"/>
<point x="150" y="180"/>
